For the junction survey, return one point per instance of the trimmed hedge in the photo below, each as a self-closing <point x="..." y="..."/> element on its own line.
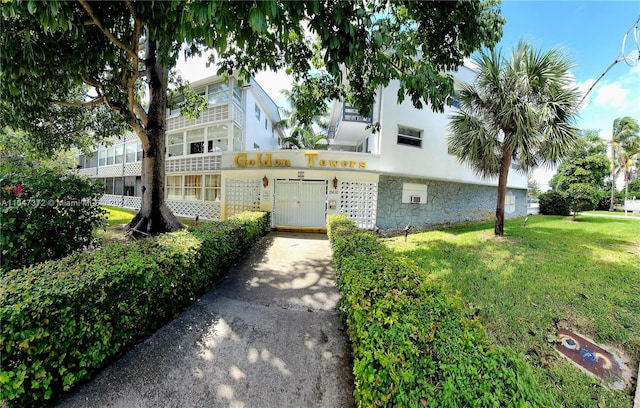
<point x="63" y="320"/>
<point x="413" y="345"/>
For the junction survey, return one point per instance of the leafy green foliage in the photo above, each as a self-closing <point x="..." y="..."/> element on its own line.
<point x="71" y="69"/>
<point x="45" y="214"/>
<point x="581" y="175"/>
<point x="554" y="203"/>
<point x="63" y="320"/>
<point x="634" y="188"/>
<point x="413" y="345"/>
<point x="307" y="120"/>
<point x="518" y="109"/>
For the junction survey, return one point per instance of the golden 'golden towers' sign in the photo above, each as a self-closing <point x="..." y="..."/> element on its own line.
<point x="313" y="159"/>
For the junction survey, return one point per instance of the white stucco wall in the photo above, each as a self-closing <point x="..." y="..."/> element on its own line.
<point x="255" y="131"/>
<point x="431" y="160"/>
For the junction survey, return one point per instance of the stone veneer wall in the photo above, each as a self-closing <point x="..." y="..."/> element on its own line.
<point x="447" y="202"/>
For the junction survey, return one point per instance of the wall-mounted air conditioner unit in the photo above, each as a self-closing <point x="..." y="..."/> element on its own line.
<point x="415" y="199"/>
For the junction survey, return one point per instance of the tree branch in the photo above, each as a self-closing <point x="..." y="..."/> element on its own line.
<point x="107" y="33"/>
<point x="140" y="113"/>
<point x="89" y="104"/>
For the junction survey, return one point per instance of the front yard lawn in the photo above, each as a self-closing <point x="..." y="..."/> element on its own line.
<point x="583" y="274"/>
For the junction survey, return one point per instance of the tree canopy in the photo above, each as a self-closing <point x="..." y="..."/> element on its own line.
<point x="581" y="176"/>
<point x="519" y="109"/>
<point x="71" y="69"/>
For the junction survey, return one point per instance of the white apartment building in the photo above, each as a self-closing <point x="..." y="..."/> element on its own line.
<point x="229" y="161"/>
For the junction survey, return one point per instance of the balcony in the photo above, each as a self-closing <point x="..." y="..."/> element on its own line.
<point x="351" y="114"/>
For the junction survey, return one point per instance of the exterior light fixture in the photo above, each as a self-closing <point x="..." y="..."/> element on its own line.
<point x="335" y="183"/>
<point x="265" y="181"/>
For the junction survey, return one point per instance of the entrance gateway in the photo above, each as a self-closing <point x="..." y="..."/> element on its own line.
<point x="300" y="204"/>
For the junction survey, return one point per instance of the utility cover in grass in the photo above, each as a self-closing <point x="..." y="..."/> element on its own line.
<point x="594" y="360"/>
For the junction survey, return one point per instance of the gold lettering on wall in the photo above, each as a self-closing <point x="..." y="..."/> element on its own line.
<point x="313" y="160"/>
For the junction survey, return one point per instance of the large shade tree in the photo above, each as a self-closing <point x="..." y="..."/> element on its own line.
<point x="69" y="69"/>
<point x="518" y="110"/>
<point x="581" y="175"/>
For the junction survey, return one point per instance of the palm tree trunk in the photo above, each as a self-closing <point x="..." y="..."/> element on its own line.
<point x="613" y="178"/>
<point x="505" y="163"/>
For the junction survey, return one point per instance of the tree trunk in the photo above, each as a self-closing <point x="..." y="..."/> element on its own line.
<point x="505" y="163"/>
<point x="154" y="216"/>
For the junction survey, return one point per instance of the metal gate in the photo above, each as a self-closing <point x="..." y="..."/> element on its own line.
<point x="300" y="203"/>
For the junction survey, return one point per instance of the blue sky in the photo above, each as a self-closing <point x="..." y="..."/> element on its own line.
<point x="589" y="32"/>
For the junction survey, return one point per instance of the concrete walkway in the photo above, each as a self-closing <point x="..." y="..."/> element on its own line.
<point x="267" y="335"/>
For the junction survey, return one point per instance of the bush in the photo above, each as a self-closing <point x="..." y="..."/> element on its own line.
<point x="45" y="214"/>
<point x="413" y="345"/>
<point x="63" y="320"/>
<point x="553" y="203"/>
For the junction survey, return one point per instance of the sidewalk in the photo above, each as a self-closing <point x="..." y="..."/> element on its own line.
<point x="267" y="335"/>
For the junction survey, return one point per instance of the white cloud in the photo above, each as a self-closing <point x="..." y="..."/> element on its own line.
<point x="612" y="96"/>
<point x="583" y="88"/>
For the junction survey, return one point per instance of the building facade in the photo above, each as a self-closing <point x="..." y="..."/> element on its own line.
<point x="228" y="161"/>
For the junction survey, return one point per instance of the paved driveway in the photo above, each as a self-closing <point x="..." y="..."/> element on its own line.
<point x="266" y="336"/>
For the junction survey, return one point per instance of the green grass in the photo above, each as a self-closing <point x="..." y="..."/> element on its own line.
<point x="584" y="273"/>
<point x="118" y="216"/>
<point x="618" y="213"/>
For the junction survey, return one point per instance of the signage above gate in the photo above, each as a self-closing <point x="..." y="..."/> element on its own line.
<point x="319" y="160"/>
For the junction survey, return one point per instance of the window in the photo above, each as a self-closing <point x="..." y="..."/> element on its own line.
<point x="413" y="193"/>
<point x="117" y="186"/>
<point x="363" y="147"/>
<point x="509" y="203"/>
<point x="102" y="157"/>
<point x="218" y="93"/>
<point x="110" y="155"/>
<point x="130" y="183"/>
<point x="455" y="102"/>
<point x="175" y="145"/>
<point x="108" y="185"/>
<point x="174" y="187"/>
<point x="265" y="123"/>
<point x="119" y="154"/>
<point x="195" y="141"/>
<point x="218" y="138"/>
<point x="93" y="159"/>
<point x="193" y="187"/>
<point x="237" y="94"/>
<point x="177" y="103"/>
<point x="410" y="137"/>
<point x="212" y="187"/>
<point x="257" y="108"/>
<point x="81" y="161"/>
<point x="139" y="154"/>
<point x="131" y="152"/>
<point x="237" y="139"/>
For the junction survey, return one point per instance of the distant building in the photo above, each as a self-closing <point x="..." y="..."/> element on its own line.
<point x="229" y="161"/>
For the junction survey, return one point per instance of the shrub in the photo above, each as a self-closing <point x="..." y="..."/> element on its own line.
<point x="45" y="214"/>
<point x="413" y="345"/>
<point x="63" y="320"/>
<point x="553" y="203"/>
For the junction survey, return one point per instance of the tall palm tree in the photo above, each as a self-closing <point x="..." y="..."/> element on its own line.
<point x="307" y="120"/>
<point x="518" y="110"/>
<point x="625" y="152"/>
